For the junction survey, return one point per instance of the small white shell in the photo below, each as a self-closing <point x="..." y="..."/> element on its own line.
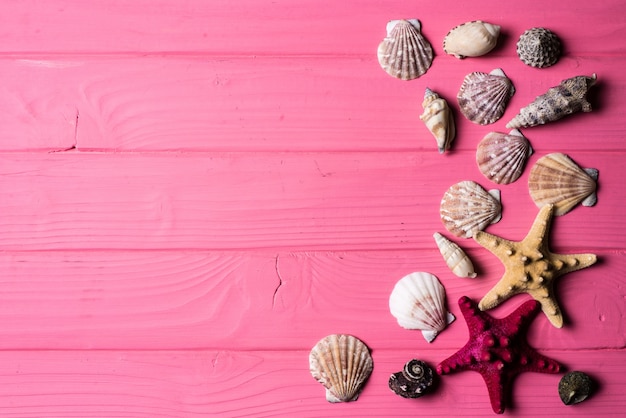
<point x="466" y="208"/>
<point x="471" y="39"/>
<point x="418" y="301"/>
<point x="502" y="157"/>
<point x="438" y="119"/>
<point x="342" y="363"/>
<point x="404" y="53"/>
<point x="454" y="256"/>
<point x="483" y="97"/>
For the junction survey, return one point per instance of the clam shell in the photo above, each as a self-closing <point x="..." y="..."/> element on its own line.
<point x="342" y="363"/>
<point x="466" y="208"/>
<point x="556" y="179"/>
<point x="418" y="302"/>
<point x="438" y="119"/>
<point x="454" y="256"/>
<point x="404" y="53"/>
<point x="471" y="39"/>
<point x="539" y="48"/>
<point x="483" y="97"/>
<point x="502" y="157"/>
<point x="414" y="381"/>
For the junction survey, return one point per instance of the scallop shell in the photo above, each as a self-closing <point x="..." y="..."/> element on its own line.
<point x="414" y="381"/>
<point x="568" y="97"/>
<point x="404" y="53"/>
<point x="556" y="179"/>
<point x="539" y="48"/>
<point x="466" y="208"/>
<point x="438" y="119"/>
<point x="454" y="256"/>
<point x="418" y="302"/>
<point x="483" y="97"/>
<point x="342" y="363"/>
<point x="502" y="157"/>
<point x="471" y="39"/>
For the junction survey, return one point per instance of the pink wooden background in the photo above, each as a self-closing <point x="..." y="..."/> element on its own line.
<point x="192" y="193"/>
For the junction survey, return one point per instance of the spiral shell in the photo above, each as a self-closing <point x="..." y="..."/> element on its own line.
<point x="556" y="179"/>
<point x="483" y="97"/>
<point x="539" y="48"/>
<point x="404" y="53"/>
<point x="414" y="381"/>
<point x="502" y="157"/>
<point x="466" y="208"/>
<point x="471" y="39"/>
<point x="418" y="301"/>
<point x="342" y="363"/>
<point x="438" y="119"/>
<point x="454" y="256"/>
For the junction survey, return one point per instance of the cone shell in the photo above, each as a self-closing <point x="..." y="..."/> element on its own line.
<point x="414" y="381"/>
<point x="418" y="301"/>
<point x="483" y="97"/>
<point x="568" y="97"/>
<point x="342" y="363"/>
<point x="539" y="48"/>
<point x="502" y="157"/>
<point x="438" y="119"/>
<point x="454" y="256"/>
<point x="466" y="208"/>
<point x="404" y="53"/>
<point x="471" y="39"/>
<point x="556" y="179"/>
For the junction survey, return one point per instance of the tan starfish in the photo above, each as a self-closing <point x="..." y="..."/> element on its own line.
<point x="530" y="267"/>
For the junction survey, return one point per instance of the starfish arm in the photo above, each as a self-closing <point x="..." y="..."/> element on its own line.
<point x="541" y="226"/>
<point x="498" y="294"/>
<point x="549" y="306"/>
<point x="573" y="262"/>
<point x="495" y="381"/>
<point x="498" y="246"/>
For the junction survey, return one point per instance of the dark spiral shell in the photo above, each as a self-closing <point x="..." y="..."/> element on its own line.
<point x="575" y="387"/>
<point x="413" y="381"/>
<point x="539" y="48"/>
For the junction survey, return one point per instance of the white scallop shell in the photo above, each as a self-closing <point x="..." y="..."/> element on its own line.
<point x="418" y="301"/>
<point x="471" y="39"/>
<point x="483" y="97"/>
<point x="438" y="119"/>
<point x="454" y="256"/>
<point x="556" y="179"/>
<point x="502" y="157"/>
<point x="342" y="363"/>
<point x="466" y="208"/>
<point x="404" y="53"/>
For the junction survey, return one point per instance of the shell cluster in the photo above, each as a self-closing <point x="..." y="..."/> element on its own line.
<point x="414" y="381"/>
<point x="404" y="53"/>
<point x="502" y="157"/>
<point x="483" y="97"/>
<point x="454" y="256"/>
<point x="539" y="48"/>
<point x="471" y="39"/>
<point x="466" y="208"/>
<point x="438" y="119"/>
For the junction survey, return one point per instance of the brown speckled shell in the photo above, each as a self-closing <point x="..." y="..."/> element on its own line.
<point x="466" y="208"/>
<point x="404" y="53"/>
<point x="483" y="97"/>
<point x="502" y="157"/>
<point x="539" y="48"/>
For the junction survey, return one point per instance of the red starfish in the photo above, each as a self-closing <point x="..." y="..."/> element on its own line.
<point x="497" y="350"/>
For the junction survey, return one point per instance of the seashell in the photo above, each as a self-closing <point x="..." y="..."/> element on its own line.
<point x="466" y="208"/>
<point x="342" y="363"/>
<point x="568" y="97"/>
<point x="414" y="381"/>
<point x="502" y="157"/>
<point x="483" y="97"/>
<point x="471" y="39"/>
<point x="556" y="179"/>
<point x="539" y="48"/>
<point x="455" y="257"/>
<point x="575" y="387"/>
<point x="438" y="119"/>
<point x="404" y="53"/>
<point x="418" y="302"/>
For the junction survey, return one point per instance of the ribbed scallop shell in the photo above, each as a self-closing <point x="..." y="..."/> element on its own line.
<point x="414" y="381"/>
<point x="539" y="48"/>
<point x="471" y="39"/>
<point x="466" y="208"/>
<point x="404" y="53"/>
<point x="454" y="256"/>
<point x="342" y="363"/>
<point x="438" y="119"/>
<point x="556" y="179"/>
<point x="502" y="157"/>
<point x="418" y="301"/>
<point x="483" y="97"/>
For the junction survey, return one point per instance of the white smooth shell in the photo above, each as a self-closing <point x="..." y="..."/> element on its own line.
<point x="454" y="256"/>
<point x="471" y="39"/>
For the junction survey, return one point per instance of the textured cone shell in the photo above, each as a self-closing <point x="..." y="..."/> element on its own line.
<point x="418" y="302"/>
<point x="502" y="157"/>
<point x="556" y="179"/>
<point x="466" y="208"/>
<point x="483" y="97"/>
<point x="471" y="39"/>
<point x="454" y="256"/>
<point x="404" y="53"/>
<point x="342" y="363"/>
<point x="539" y="48"/>
<point x="438" y="119"/>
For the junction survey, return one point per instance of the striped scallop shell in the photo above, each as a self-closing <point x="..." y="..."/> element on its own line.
<point x="342" y="363"/>
<point x="418" y="301"/>
<point x="483" y="97"/>
<point x="502" y="157"/>
<point x="404" y="53"/>
<point x="556" y="179"/>
<point x="471" y="39"/>
<point x="454" y="256"/>
<point x="466" y="208"/>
